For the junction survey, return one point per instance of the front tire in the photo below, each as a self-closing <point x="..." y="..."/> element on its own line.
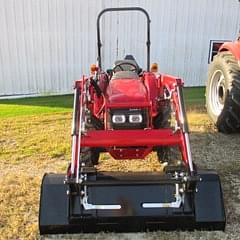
<point x="223" y="92"/>
<point x="90" y="156"/>
<point x="170" y="155"/>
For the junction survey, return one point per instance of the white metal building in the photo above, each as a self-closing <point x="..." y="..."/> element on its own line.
<point x="46" y="44"/>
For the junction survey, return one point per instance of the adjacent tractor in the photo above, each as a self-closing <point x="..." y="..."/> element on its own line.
<point x="129" y="112"/>
<point x="223" y="88"/>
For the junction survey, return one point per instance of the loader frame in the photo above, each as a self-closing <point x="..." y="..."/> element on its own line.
<point x="119" y="138"/>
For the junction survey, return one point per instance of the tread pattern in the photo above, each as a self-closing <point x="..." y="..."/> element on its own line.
<point x="229" y="119"/>
<point x="171" y="155"/>
<point x="90" y="156"/>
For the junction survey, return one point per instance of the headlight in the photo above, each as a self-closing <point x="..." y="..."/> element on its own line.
<point x="136" y="118"/>
<point x="118" y="118"/>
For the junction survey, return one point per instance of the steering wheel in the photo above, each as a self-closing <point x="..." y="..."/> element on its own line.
<point x="134" y="69"/>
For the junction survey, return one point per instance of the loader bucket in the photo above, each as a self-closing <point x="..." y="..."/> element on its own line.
<point x="127" y="202"/>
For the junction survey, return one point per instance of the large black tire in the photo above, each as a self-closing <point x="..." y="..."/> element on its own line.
<point x="90" y="156"/>
<point x="171" y="155"/>
<point x="223" y="92"/>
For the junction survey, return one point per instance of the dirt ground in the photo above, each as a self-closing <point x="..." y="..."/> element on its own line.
<point x="31" y="146"/>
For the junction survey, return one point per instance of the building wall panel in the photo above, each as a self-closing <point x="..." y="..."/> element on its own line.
<point x="46" y="44"/>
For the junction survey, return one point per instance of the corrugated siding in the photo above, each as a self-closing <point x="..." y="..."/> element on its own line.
<point x="46" y="44"/>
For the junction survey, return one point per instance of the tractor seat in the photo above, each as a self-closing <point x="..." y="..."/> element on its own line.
<point x="125" y="75"/>
<point x="125" y="66"/>
<point x="126" y="71"/>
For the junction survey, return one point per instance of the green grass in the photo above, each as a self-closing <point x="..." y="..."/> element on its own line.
<point x="55" y="104"/>
<point x="35" y="105"/>
<point x="194" y="96"/>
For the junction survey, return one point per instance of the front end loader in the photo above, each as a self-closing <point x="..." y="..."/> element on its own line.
<point x="129" y="113"/>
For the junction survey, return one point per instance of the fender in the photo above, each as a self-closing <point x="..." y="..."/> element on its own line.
<point x="233" y="47"/>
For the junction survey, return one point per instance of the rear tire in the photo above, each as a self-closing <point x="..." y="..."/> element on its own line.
<point x="171" y="155"/>
<point x="223" y="93"/>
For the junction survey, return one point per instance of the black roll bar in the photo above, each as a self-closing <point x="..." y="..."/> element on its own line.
<point x="99" y="43"/>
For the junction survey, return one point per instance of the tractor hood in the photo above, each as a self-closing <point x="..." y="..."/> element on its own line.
<point x="126" y="90"/>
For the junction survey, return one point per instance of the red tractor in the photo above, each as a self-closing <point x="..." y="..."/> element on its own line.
<point x="223" y="88"/>
<point x="129" y="113"/>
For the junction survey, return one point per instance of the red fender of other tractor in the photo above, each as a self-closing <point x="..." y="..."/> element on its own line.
<point x="233" y="47"/>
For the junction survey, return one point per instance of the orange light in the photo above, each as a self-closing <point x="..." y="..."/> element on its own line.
<point x="93" y="68"/>
<point x="154" y="67"/>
